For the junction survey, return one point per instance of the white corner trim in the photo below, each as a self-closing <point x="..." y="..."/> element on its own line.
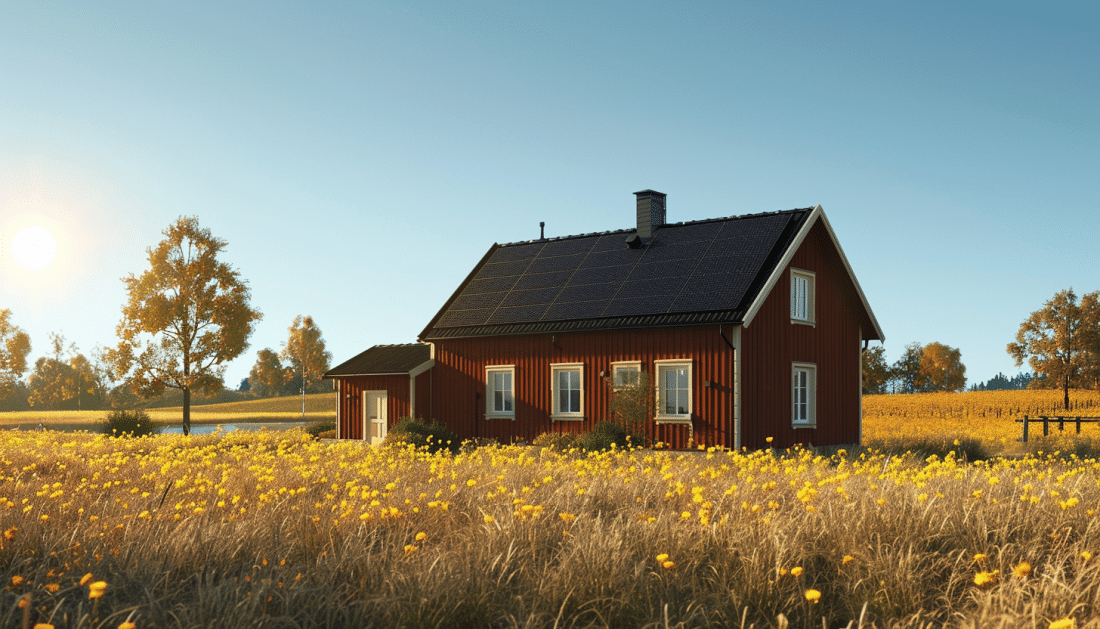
<point x="736" y="342"/>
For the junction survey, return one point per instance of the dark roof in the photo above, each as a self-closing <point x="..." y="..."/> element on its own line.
<point x="688" y="273"/>
<point x="384" y="359"/>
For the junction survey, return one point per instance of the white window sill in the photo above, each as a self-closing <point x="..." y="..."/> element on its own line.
<point x="797" y="425"/>
<point x="673" y="419"/>
<point x="812" y="324"/>
<point x="492" y="416"/>
<point x="567" y="418"/>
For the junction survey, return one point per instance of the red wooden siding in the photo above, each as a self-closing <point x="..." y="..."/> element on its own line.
<point x="459" y="386"/>
<point x="771" y="343"/>
<point x="350" y="400"/>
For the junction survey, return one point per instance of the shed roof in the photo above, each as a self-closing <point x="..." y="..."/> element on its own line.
<point x="707" y="271"/>
<point x="383" y="359"/>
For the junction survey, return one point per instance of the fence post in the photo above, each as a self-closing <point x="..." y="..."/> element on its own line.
<point x="1025" y="428"/>
<point x="1046" y="426"/>
<point x="1078" y="424"/>
<point x="1061" y="423"/>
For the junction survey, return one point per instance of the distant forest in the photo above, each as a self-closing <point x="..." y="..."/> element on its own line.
<point x="1001" y="382"/>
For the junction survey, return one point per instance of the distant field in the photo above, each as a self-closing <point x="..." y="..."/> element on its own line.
<point x="985" y="415"/>
<point x="319" y="406"/>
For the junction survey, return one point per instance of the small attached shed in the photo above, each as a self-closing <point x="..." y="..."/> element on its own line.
<point x="380" y="386"/>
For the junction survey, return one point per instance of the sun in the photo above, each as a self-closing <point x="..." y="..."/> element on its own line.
<point x="34" y="248"/>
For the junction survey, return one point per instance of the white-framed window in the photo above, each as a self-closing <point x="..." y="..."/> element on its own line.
<point x="804" y="395"/>
<point x="567" y="391"/>
<point x="500" y="391"/>
<point x="674" y="396"/>
<point x="802" y="296"/>
<point x="625" y="373"/>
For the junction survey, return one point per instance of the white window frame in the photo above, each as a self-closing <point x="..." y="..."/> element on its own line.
<point x="616" y="366"/>
<point x="660" y="416"/>
<point x="797" y="277"/>
<point x="556" y="414"/>
<point x="490" y="412"/>
<point x="811" y="402"/>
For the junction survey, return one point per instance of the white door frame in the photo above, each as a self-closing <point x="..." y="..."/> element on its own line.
<point x="382" y="420"/>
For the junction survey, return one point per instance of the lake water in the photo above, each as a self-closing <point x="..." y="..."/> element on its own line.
<point x="206" y="429"/>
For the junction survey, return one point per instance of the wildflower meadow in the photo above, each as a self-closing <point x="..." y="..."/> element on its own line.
<point x="276" y="529"/>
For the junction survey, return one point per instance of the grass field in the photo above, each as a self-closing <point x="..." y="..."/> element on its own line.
<point x="319" y="406"/>
<point x="274" y="529"/>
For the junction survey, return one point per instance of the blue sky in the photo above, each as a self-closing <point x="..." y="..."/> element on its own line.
<point x="360" y="158"/>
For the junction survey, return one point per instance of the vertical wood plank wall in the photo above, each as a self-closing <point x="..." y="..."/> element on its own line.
<point x="459" y="387"/>
<point x="351" y="408"/>
<point x="771" y="343"/>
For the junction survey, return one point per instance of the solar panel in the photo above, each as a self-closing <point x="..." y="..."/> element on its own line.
<point x="685" y="268"/>
<point x="519" y="314"/>
<point x="529" y="297"/>
<point x="564" y="311"/>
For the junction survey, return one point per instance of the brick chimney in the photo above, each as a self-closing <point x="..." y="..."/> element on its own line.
<point x="651" y="212"/>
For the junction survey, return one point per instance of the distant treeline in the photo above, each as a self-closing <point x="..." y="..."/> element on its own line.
<point x="1001" y="382"/>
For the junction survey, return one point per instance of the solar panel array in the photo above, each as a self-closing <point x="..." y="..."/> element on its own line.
<point x="697" y="267"/>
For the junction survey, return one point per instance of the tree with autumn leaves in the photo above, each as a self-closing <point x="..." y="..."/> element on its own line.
<point x="184" y="318"/>
<point x="920" y="369"/>
<point x="306" y="356"/>
<point x="1061" y="342"/>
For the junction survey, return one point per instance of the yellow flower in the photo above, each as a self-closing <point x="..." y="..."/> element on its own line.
<point x="796" y="571"/>
<point x="9" y="534"/>
<point x="410" y="549"/>
<point x="1065" y="623"/>
<point x="96" y="589"/>
<point x="663" y="557"/>
<point x="17" y="580"/>
<point x="471" y="483"/>
<point x="685" y="515"/>
<point x="84" y="579"/>
<point x="1022" y="570"/>
<point x="881" y="501"/>
<point x="567" y="517"/>
<point x="1086" y="555"/>
<point x="980" y="557"/>
<point x="53" y="587"/>
<point x="127" y="625"/>
<point x="813" y="596"/>
<point x="43" y="517"/>
<point x="769" y="439"/>
<point x="847" y="560"/>
<point x="489" y="519"/>
<point x="985" y="578"/>
<point x="668" y="565"/>
<point x="421" y="536"/>
<point x="42" y="625"/>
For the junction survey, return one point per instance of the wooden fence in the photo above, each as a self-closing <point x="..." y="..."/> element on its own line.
<point x="1061" y="420"/>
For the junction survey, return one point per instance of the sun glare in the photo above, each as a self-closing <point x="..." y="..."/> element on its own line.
<point x="34" y="248"/>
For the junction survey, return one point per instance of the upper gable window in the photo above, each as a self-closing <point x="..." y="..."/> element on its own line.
<point x="567" y="391"/>
<point x="802" y="296"/>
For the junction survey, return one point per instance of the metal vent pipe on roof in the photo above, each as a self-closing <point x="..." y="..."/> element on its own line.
<point x="651" y="211"/>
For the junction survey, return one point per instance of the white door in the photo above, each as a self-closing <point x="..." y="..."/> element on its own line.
<point x="374" y="416"/>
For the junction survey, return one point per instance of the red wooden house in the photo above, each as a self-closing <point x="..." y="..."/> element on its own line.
<point x="748" y="326"/>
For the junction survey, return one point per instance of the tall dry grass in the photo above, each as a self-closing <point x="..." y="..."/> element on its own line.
<point x="277" y="530"/>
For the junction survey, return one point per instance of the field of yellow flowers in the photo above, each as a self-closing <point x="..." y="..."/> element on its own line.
<point x="277" y="530"/>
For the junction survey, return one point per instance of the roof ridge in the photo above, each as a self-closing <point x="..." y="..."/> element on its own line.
<point x="666" y="225"/>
